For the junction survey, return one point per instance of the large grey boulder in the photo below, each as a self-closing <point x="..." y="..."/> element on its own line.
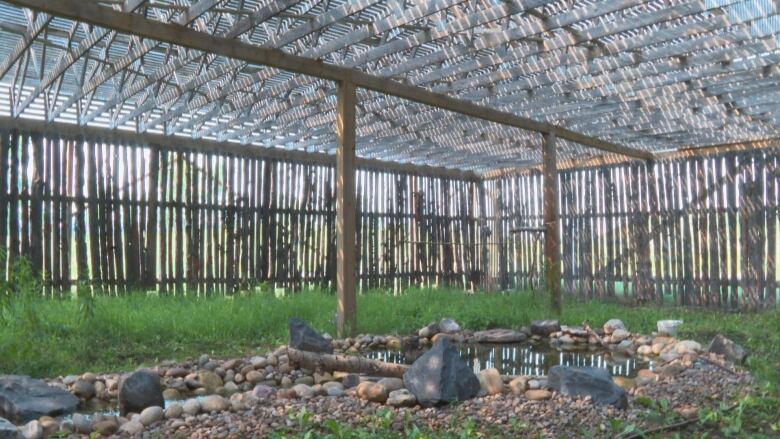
<point x="730" y="350"/>
<point x="304" y="338"/>
<point x="23" y="399"/>
<point x="441" y="376"/>
<point x="8" y="430"/>
<point x="587" y="381"/>
<point x="139" y="390"/>
<point x="545" y="327"/>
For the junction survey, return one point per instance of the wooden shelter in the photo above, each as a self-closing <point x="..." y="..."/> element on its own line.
<point x="184" y="145"/>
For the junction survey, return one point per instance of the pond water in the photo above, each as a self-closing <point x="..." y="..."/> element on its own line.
<point x="528" y="359"/>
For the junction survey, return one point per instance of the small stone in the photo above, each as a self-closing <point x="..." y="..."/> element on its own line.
<point x="174" y="410"/>
<point x="372" y="392"/>
<point x="177" y="372"/>
<point x="538" y="394"/>
<point x="490" y="381"/>
<point x="401" y="398"/>
<point x="150" y="415"/>
<point x="139" y="390"/>
<point x="612" y="325"/>
<point x="49" y="424"/>
<point x="429" y="331"/>
<point x="230" y="364"/>
<point x="687" y="347"/>
<point x="214" y="403"/>
<point x="81" y="424"/>
<point x="566" y="339"/>
<point x="286" y="382"/>
<point x="262" y="391"/>
<point x="191" y="407"/>
<point x="132" y="428"/>
<point x="83" y="389"/>
<point x="306" y="379"/>
<point x="657" y="348"/>
<point x="324" y="377"/>
<point x="254" y="376"/>
<point x="392" y="384"/>
<point x="518" y="385"/>
<point x="303" y="391"/>
<point x="209" y="381"/>
<point x="730" y="350"/>
<point x="32" y="430"/>
<point x="106" y="427"/>
<point x="545" y="327"/>
<point x="393" y="344"/>
<point x="171" y="395"/>
<point x="623" y="382"/>
<point x="534" y="384"/>
<point x="304" y="338"/>
<point x="333" y="388"/>
<point x="230" y="388"/>
<point x="350" y="380"/>
<point x="286" y="394"/>
<point x="644" y="350"/>
<point x="619" y="335"/>
<point x="449" y="326"/>
<point x="258" y="362"/>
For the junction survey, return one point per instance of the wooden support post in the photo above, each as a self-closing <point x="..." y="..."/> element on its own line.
<point x="345" y="209"/>
<point x="552" y="255"/>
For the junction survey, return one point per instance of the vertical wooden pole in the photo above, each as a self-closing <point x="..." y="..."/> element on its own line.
<point x="552" y="255"/>
<point x="345" y="209"/>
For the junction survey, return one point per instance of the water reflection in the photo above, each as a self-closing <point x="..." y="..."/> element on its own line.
<point x="527" y="359"/>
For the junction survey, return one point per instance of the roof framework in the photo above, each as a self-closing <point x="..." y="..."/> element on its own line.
<point x="620" y="75"/>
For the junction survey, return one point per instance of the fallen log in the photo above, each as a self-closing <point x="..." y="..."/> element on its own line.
<point x="344" y="363"/>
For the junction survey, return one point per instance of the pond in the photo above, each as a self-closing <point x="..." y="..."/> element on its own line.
<point x="528" y="359"/>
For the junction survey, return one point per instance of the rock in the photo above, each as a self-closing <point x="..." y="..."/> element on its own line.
<point x="306" y="379"/>
<point x="619" y="335"/>
<point x="177" y="372"/>
<point x="191" y="407"/>
<point x="687" y="347"/>
<point x="449" y="326"/>
<point x="534" y="384"/>
<point x="668" y="327"/>
<point x="644" y="350"/>
<point x="613" y="325"/>
<point x="323" y="377"/>
<point x="133" y="428"/>
<point x="393" y="344"/>
<point x="657" y="348"/>
<point x="401" y="398"/>
<point x="49" y="424"/>
<point x="392" y="384"/>
<point x="490" y="381"/>
<point x="441" y="376"/>
<point x="139" y="390"/>
<point x="23" y="399"/>
<point x="373" y="392"/>
<point x="429" y="331"/>
<point x="8" y="430"/>
<point x="32" y="430"/>
<point x="83" y="389"/>
<point x="350" y="380"/>
<point x="453" y="338"/>
<point x="624" y="383"/>
<point x="545" y="327"/>
<point x="262" y="391"/>
<point x="174" y="410"/>
<point x="214" y="403"/>
<point x="730" y="350"/>
<point x="499" y="336"/>
<point x="171" y="395"/>
<point x="333" y="388"/>
<point x="305" y="338"/>
<point x="81" y="424"/>
<point x="106" y="427"/>
<point x="230" y="388"/>
<point x="254" y="376"/>
<point x="209" y="381"/>
<point x="587" y="381"/>
<point x="538" y="394"/>
<point x="258" y="362"/>
<point x="518" y="385"/>
<point x="303" y="391"/>
<point x="150" y="415"/>
<point x="566" y="339"/>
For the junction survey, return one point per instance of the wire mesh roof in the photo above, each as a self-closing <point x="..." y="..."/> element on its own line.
<point x="653" y="75"/>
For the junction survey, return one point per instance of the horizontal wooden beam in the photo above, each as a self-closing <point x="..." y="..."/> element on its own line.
<point x="605" y="160"/>
<point x="138" y="25"/>
<point x="66" y="130"/>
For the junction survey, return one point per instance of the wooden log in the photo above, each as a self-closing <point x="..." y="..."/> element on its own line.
<point x="344" y="363"/>
<point x="552" y="255"/>
<point x="345" y="210"/>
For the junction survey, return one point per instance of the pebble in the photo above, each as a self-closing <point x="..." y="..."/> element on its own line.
<point x="490" y="381"/>
<point x="214" y="403"/>
<point x="619" y="335"/>
<point x="191" y="407"/>
<point x="132" y="428"/>
<point x="303" y="391"/>
<point x="392" y="384"/>
<point x="254" y="376"/>
<point x="106" y="427"/>
<point x="83" y="389"/>
<point x="81" y="424"/>
<point x="32" y="430"/>
<point x="373" y="392"/>
<point x="538" y="394"/>
<point x="687" y="347"/>
<point x="171" y="394"/>
<point x="518" y="385"/>
<point x="401" y="398"/>
<point x="174" y="410"/>
<point x="150" y="415"/>
<point x="262" y="391"/>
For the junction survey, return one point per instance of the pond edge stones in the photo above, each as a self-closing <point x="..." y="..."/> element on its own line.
<point x="304" y="338"/>
<point x="441" y="376"/>
<point x="24" y="399"/>
<point x="587" y="381"/>
<point x="139" y="390"/>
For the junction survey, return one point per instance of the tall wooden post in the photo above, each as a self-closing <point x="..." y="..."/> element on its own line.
<point x="552" y="254"/>
<point x="346" y="280"/>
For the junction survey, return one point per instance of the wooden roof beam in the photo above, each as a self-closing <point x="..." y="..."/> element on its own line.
<point x="137" y="25"/>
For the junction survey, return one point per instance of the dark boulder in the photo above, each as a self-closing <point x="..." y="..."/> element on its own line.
<point x="23" y="399"/>
<point x="8" y="430"/>
<point x="304" y="338"/>
<point x="587" y="381"/>
<point x="730" y="350"/>
<point x="441" y="376"/>
<point x="545" y="327"/>
<point x="139" y="390"/>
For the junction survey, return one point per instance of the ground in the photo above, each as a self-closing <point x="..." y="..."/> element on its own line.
<point x="49" y="338"/>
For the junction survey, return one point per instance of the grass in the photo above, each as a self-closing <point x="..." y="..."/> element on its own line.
<point x="58" y="337"/>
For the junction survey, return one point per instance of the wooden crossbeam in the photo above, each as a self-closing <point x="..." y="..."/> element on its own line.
<point x="137" y="25"/>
